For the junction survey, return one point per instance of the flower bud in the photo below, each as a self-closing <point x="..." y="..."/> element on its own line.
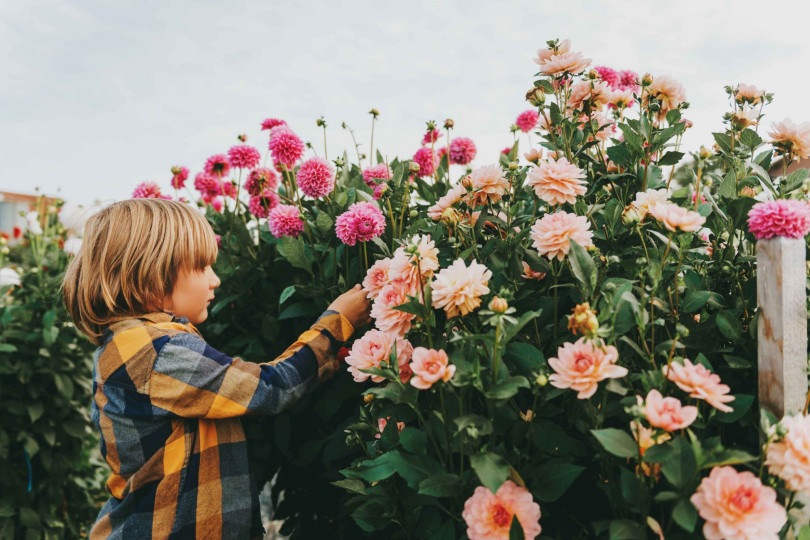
<point x="4" y="250"/>
<point x="498" y="305"/>
<point x="3" y="241"/>
<point x="533" y="156"/>
<point x="449" y="124"/>
<point x="431" y="125"/>
<point x="513" y="165"/>
<point x="339" y="162"/>
<point x="593" y="74"/>
<point x="631" y="215"/>
<point x="748" y="191"/>
<point x="320" y="122"/>
<point x="413" y="213"/>
<point x="536" y="96"/>
<point x="583" y="321"/>
<point x="368" y="398"/>
<point x="242" y="137"/>
<point x="374" y="112"/>
<point x="450" y="216"/>
<point x="467" y="182"/>
<point x="705" y="153"/>
<point x="175" y="170"/>
<point x="513" y="128"/>
<point x="413" y="167"/>
<point x="541" y="380"/>
<point x="646" y="79"/>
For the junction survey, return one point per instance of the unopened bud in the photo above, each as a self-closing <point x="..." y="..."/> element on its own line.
<point x="631" y="215"/>
<point x="339" y="162"/>
<point x="3" y="241"/>
<point x="431" y="125"/>
<point x="513" y="165"/>
<point x="450" y="216"/>
<point x="320" y="122"/>
<point x="449" y="124"/>
<point x="593" y="74"/>
<point x="748" y="191"/>
<point x="374" y="112"/>
<point x="4" y="250"/>
<point x="681" y="330"/>
<point x="467" y="182"/>
<point x="646" y="79"/>
<point x="513" y="128"/>
<point x="413" y="213"/>
<point x="242" y="137"/>
<point x="705" y="153"/>
<point x="583" y="321"/>
<point x="413" y="167"/>
<point x="536" y="96"/>
<point x="368" y="398"/>
<point x="175" y="170"/>
<point x="498" y="305"/>
<point x="541" y="380"/>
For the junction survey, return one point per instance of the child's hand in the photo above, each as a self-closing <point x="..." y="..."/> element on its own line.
<point x="354" y="305"/>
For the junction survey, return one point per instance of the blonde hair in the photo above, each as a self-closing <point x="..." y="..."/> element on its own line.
<point x="130" y="258"/>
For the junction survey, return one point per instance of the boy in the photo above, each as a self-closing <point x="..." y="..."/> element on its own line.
<point x="168" y="405"/>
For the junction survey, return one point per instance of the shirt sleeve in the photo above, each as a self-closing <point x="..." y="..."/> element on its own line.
<point x="191" y="379"/>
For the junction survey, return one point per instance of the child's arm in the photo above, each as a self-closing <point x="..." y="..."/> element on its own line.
<point x="192" y="379"/>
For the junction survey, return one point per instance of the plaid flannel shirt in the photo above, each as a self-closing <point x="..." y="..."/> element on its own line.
<point x="168" y="409"/>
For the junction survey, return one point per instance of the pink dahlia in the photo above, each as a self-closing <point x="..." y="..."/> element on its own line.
<point x="668" y="92"/>
<point x="217" y="203"/>
<point x="147" y="190"/>
<point x="179" y="177"/>
<point x="628" y="80"/>
<point x="380" y="171"/>
<point x="784" y="217"/>
<point x="375" y="348"/>
<point x="527" y="120"/>
<point x="362" y="221"/>
<point x="581" y="365"/>
<point x="285" y="146"/>
<point x="459" y="288"/>
<point x="260" y="205"/>
<point x="377" y="278"/>
<point x="609" y="75"/>
<point x="427" y="160"/>
<point x="667" y="413"/>
<point x="700" y="383"/>
<point x="748" y="93"/>
<point x="736" y="506"/>
<point x="506" y="150"/>
<point x="594" y="93"/>
<point x="572" y="63"/>
<point x="431" y="136"/>
<point x="789" y="457"/>
<point x="316" y="177"/>
<point x="244" y="156"/>
<point x="674" y="217"/>
<point x="462" y="150"/>
<point x="217" y="166"/>
<point x="379" y="191"/>
<point x="386" y="318"/>
<point x="489" y="516"/>
<point x="488" y="184"/>
<point x="551" y="233"/>
<point x="430" y="366"/>
<point x="207" y="185"/>
<point x="270" y="123"/>
<point x="260" y="179"/>
<point x="544" y="55"/>
<point x="621" y="99"/>
<point x="285" y="220"/>
<point x="454" y="195"/>
<point x="406" y="267"/>
<point x="557" y="182"/>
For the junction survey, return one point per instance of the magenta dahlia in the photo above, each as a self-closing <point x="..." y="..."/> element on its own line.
<point x="218" y="165"/>
<point x="260" y="205"/>
<point x="260" y="179"/>
<point x="627" y="80"/>
<point x="179" y="177"/>
<point x="285" y="146"/>
<point x="380" y="171"/>
<point x="363" y="221"/>
<point x="379" y="190"/>
<point x="527" y="120"/>
<point x="285" y="220"/>
<point x="207" y="185"/>
<point x="316" y="177"/>
<point x="462" y="151"/>
<point x="244" y="156"/>
<point x="427" y="160"/>
<point x="784" y="217"/>
<point x="270" y="123"/>
<point x="147" y="190"/>
<point x="431" y="136"/>
<point x="610" y="76"/>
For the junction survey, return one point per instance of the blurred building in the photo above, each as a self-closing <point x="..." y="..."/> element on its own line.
<point x="14" y="206"/>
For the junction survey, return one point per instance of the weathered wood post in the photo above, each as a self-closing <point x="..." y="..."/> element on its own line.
<point x="782" y="325"/>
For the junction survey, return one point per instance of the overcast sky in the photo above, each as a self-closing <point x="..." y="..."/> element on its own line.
<point x="98" y="96"/>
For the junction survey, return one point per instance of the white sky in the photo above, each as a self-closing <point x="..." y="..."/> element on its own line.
<point x="100" y="95"/>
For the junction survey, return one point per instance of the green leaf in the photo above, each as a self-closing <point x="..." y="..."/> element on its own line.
<point x="286" y="294"/>
<point x="738" y="210"/>
<point x="516" y="529"/>
<point x="526" y="357"/>
<point x="634" y="492"/>
<point x="351" y="484"/>
<point x="749" y="138"/>
<point x="372" y="470"/>
<point x="413" y="440"/>
<point x="413" y="307"/>
<point x="323" y="221"/>
<point x="741" y="404"/>
<point x="441" y="485"/>
<point x="507" y="388"/>
<point x="554" y="479"/>
<point x="396" y="392"/>
<point x="583" y="267"/>
<point x="617" y="442"/>
<point x="728" y="187"/>
<point x="294" y="251"/>
<point x="621" y="529"/>
<point x="670" y="158"/>
<point x="729" y="325"/>
<point x="681" y="465"/>
<point x="482" y="426"/>
<point x="491" y="469"/>
<point x="685" y="515"/>
<point x="35" y="410"/>
<point x="727" y="457"/>
<point x="413" y="468"/>
<point x="804" y="534"/>
<point x="723" y="141"/>
<point x="512" y="331"/>
<point x="694" y="301"/>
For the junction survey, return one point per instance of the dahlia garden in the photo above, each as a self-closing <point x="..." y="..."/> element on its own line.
<point x="565" y="334"/>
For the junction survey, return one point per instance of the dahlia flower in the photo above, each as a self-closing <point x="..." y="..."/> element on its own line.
<point x="628" y="80"/>
<point x="609" y="75"/>
<point x="376" y="278"/>
<point x="544" y="55"/>
<point x="217" y="166"/>
<point x="569" y="62"/>
<point x="646" y="200"/>
<point x="489" y="516"/>
<point x="595" y="93"/>
<point x="431" y="136"/>
<point x="285" y="220"/>
<point x="430" y="366"/>
<point x="700" y="383"/>
<point x="363" y="221"/>
<point x="285" y="146"/>
<point x="551" y="233"/>
<point x="528" y="273"/>
<point x="147" y="190"/>
<point x="668" y="92"/>
<point x="207" y="185"/>
<point x="676" y="218"/>
<point x="621" y="99"/>
<point x="789" y="457"/>
<point x="380" y="171"/>
<point x="244" y="156"/>
<point x="667" y="413"/>
<point x="557" y="182"/>
<point x="488" y="183"/>
<point x="462" y="151"/>
<point x="316" y="177"/>
<point x="736" y="506"/>
<point x="790" y="138"/>
<point x="374" y="348"/>
<point x="386" y="318"/>
<point x="404" y="265"/>
<point x="784" y="217"/>
<point x="270" y="123"/>
<point x="581" y="365"/>
<point x="260" y="179"/>
<point x="527" y="120"/>
<point x="454" y="195"/>
<point x="749" y="93"/>
<point x="427" y="161"/>
<point x="261" y="205"/>
<point x="458" y="288"/>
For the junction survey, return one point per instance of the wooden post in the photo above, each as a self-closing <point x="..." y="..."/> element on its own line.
<point x="782" y="325"/>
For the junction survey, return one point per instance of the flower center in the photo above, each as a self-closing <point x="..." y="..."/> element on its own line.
<point x="501" y="516"/>
<point x="365" y="226"/>
<point x="744" y="499"/>
<point x="581" y="363"/>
